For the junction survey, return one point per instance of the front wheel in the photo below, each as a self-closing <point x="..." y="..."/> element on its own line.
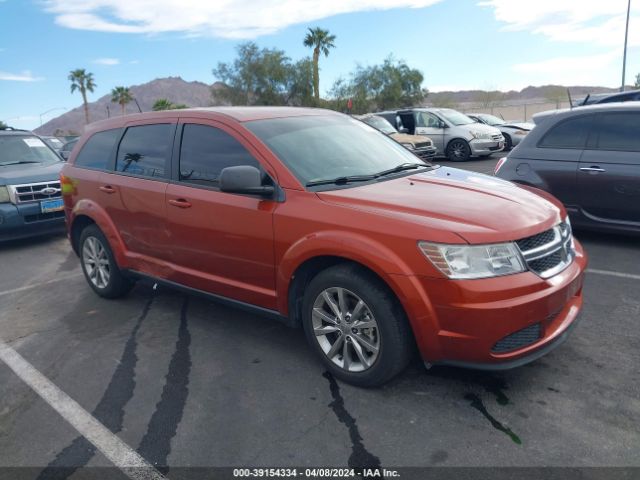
<point x="99" y="265"/>
<point x="356" y="325"/>
<point x="508" y="143"/>
<point x="458" y="151"/>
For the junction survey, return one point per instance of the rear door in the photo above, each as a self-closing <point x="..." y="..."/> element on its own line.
<point x="609" y="173"/>
<point x="552" y="164"/>
<point x="133" y="192"/>
<point x="220" y="242"/>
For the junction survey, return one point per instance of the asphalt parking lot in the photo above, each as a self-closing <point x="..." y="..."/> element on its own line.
<point x="185" y="382"/>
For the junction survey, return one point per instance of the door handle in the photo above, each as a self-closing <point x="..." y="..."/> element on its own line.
<point x="107" y="189"/>
<point x="593" y="169"/>
<point x="180" y="203"/>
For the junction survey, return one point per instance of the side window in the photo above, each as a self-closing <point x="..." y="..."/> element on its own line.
<point x="620" y="131"/>
<point x="97" y="150"/>
<point x="428" y="120"/>
<point x="205" y="151"/>
<point x="572" y="133"/>
<point x="144" y="150"/>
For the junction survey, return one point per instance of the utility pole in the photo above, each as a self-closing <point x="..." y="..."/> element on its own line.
<point x="626" y="39"/>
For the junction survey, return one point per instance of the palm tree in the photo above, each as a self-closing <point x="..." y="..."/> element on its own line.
<point x="121" y="96"/>
<point x="83" y="81"/>
<point x="162" y="104"/>
<point x="321" y="42"/>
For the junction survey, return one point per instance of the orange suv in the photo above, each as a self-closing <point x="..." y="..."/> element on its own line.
<point x="320" y="221"/>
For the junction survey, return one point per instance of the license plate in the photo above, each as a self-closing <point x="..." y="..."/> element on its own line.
<point x="48" y="206"/>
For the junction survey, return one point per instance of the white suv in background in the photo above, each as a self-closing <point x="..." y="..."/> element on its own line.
<point x="455" y="135"/>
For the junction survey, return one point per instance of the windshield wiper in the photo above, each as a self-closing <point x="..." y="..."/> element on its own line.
<point x="342" y="180"/>
<point x="19" y="162"/>
<point x="401" y="168"/>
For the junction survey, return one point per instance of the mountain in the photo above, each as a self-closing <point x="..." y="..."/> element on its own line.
<point x="198" y="94"/>
<point x="175" y="89"/>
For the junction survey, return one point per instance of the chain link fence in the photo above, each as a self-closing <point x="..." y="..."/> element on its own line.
<point x="515" y="112"/>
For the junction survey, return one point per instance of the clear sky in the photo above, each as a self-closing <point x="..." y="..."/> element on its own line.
<point x="457" y="44"/>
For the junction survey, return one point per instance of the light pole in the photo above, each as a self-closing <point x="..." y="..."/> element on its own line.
<point x="626" y="38"/>
<point x="49" y="111"/>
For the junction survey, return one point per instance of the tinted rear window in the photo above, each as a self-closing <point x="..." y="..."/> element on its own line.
<point x="144" y="150"/>
<point x="96" y="152"/>
<point x="620" y="131"/>
<point x="572" y="133"/>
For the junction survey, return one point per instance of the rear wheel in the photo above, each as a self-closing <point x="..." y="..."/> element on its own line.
<point x="356" y="325"/>
<point x="458" y="150"/>
<point x="99" y="265"/>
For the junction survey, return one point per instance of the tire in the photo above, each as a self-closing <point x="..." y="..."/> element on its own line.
<point x="458" y="150"/>
<point x="106" y="280"/>
<point x="508" y="143"/>
<point x="375" y="353"/>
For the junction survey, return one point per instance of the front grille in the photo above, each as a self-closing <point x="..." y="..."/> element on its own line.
<point x="43" y="216"/>
<point x="423" y="144"/>
<point x="549" y="252"/>
<point x="35" y="192"/>
<point x="497" y="138"/>
<point x="519" y="339"/>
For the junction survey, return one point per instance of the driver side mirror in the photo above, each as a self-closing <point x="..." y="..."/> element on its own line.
<point x="244" y="179"/>
<point x="442" y="125"/>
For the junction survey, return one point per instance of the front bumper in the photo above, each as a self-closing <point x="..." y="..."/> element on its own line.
<point x="26" y="220"/>
<point x="426" y="153"/>
<point x="486" y="147"/>
<point x="468" y="319"/>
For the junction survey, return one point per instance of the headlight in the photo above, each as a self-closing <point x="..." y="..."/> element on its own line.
<point x="4" y="195"/>
<point x="469" y="262"/>
<point x="408" y="146"/>
<point x="481" y="135"/>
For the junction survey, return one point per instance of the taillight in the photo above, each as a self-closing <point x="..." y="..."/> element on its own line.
<point x="500" y="163"/>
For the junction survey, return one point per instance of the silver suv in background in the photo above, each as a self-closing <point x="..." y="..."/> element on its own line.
<point x="455" y="135"/>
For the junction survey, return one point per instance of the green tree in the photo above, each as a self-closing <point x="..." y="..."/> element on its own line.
<point x="3" y="125"/>
<point x="321" y="42"/>
<point x="637" y="84"/>
<point x="393" y="84"/>
<point x="300" y="84"/>
<point x="121" y="96"/>
<point x="166" y="104"/>
<point x="82" y="81"/>
<point x="260" y="77"/>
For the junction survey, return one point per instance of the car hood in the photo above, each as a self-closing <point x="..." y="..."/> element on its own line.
<point x="519" y="125"/>
<point x="406" y="138"/>
<point x="479" y="208"/>
<point x="29" y="173"/>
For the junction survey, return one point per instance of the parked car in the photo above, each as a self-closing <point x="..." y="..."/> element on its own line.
<point x="316" y="219"/>
<point x="54" y="142"/>
<point x="598" y="98"/>
<point x="513" y="132"/>
<point x="455" y="135"/>
<point x="589" y="158"/>
<point x="30" y="198"/>
<point x="66" y="149"/>
<point x="417" y="144"/>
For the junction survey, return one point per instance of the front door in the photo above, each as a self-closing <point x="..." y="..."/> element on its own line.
<point x="609" y="174"/>
<point x="429" y="125"/>
<point x="221" y="242"/>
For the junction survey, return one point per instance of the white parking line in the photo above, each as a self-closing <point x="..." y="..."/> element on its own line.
<point x="36" y="285"/>
<point x="118" y="452"/>
<point x="613" y="274"/>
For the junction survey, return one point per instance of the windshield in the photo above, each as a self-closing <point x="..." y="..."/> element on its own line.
<point x="317" y="148"/>
<point x="491" y="120"/>
<point x="381" y="124"/>
<point x="16" y="149"/>
<point x="454" y="117"/>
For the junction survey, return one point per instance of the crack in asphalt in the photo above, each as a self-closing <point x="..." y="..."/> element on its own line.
<point x="155" y="446"/>
<point x="477" y="403"/>
<point x="109" y="411"/>
<point x="360" y="458"/>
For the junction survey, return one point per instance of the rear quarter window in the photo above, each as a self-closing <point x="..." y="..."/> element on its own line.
<point x="619" y="132"/>
<point x="572" y="133"/>
<point x="96" y="152"/>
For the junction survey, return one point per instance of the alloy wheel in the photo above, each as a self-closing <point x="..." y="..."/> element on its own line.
<point x="96" y="262"/>
<point x="346" y="329"/>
